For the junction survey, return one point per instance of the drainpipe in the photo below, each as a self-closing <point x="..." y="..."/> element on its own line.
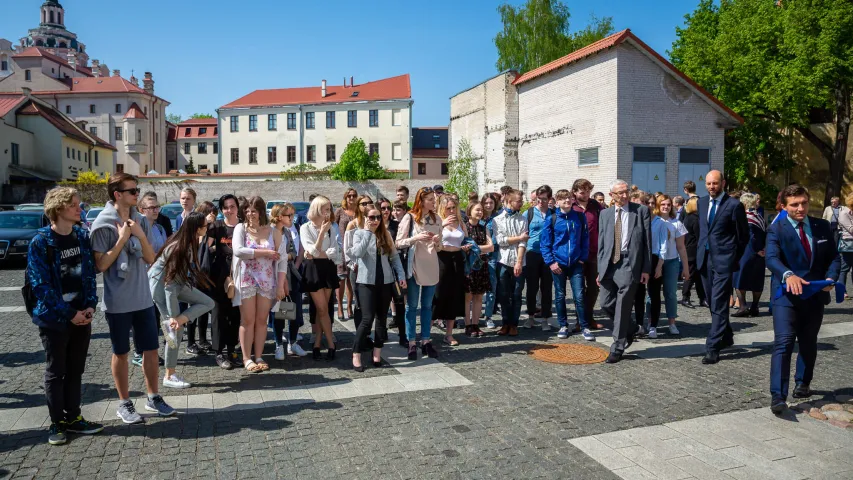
<point x="301" y="139"/>
<point x="218" y="140"/>
<point x="411" y="152"/>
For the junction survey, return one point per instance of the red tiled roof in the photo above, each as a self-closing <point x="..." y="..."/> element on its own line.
<point x="195" y="132"/>
<point x="198" y="121"/>
<point x="614" y="40"/>
<point x="173" y="132"/>
<point x="33" y="52"/>
<point x="62" y="123"/>
<point x="135" y="112"/>
<point x="394" y="88"/>
<point x="429" y="153"/>
<point x="226" y="175"/>
<point x="9" y="102"/>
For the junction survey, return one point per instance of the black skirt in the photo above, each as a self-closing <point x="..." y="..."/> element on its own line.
<point x="449" y="300"/>
<point x="320" y="273"/>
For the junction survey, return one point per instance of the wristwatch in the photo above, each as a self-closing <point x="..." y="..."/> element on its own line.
<point x="787" y="275"/>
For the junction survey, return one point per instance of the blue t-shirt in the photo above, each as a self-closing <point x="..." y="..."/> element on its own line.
<point x="537" y="223"/>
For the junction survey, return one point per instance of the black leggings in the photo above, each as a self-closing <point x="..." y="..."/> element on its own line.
<point x="640" y="305"/>
<point x="226" y="326"/>
<point x="695" y="279"/>
<point x="655" y="286"/>
<point x="199" y="324"/>
<point x="374" y="301"/>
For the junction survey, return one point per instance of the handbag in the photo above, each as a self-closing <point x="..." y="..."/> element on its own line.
<point x="845" y="245"/>
<point x="230" y="289"/>
<point x="286" y="309"/>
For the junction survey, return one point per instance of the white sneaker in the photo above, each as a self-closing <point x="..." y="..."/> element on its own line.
<point x="673" y="330"/>
<point x="641" y="331"/>
<point x="175" y="381"/>
<point x="279" y="352"/>
<point x="491" y="324"/>
<point x="529" y="323"/>
<point x="563" y="333"/>
<point x="546" y="327"/>
<point x="653" y="332"/>
<point x="298" y="337"/>
<point x="588" y="336"/>
<point x="295" y="349"/>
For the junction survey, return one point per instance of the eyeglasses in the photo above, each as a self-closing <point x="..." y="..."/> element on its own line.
<point x="426" y="190"/>
<point x="364" y="204"/>
<point x="385" y="209"/>
<point x="132" y="191"/>
<point x="152" y="209"/>
<point x="374" y="218"/>
<point x="288" y="215"/>
<point x="352" y="195"/>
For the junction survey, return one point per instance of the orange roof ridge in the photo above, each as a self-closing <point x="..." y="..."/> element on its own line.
<point x="392" y="88"/>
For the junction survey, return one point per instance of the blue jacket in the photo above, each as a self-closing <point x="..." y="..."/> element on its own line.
<point x="726" y="237"/>
<point x="50" y="310"/>
<point x="565" y="240"/>
<point x="472" y="258"/>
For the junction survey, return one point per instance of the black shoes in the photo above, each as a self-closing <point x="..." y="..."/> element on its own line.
<point x="703" y="303"/>
<point x="330" y="354"/>
<point x="741" y="314"/>
<point x="753" y="312"/>
<point x="778" y="406"/>
<point x="358" y="369"/>
<point x="802" y="391"/>
<point x="428" y="350"/>
<point x="687" y="303"/>
<point x="377" y="364"/>
<point x="193" y="349"/>
<point x="316" y="353"/>
<point x="83" y="426"/>
<point x="413" y="352"/>
<point x="404" y="342"/>
<point x="613" y="358"/>
<point x="711" y="358"/>
<point x="223" y="362"/>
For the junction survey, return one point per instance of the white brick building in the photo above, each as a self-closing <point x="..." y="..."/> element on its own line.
<point x="198" y="141"/>
<point x="614" y="109"/>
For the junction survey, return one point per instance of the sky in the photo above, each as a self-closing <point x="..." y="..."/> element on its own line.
<point x="206" y="54"/>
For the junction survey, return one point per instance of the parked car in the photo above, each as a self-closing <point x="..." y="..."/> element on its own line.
<point x="173" y="211"/>
<point x="17" y="229"/>
<point x="30" y="207"/>
<point x="91" y="215"/>
<point x="301" y="207"/>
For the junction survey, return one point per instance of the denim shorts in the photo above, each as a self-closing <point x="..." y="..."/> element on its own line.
<point x="145" y="329"/>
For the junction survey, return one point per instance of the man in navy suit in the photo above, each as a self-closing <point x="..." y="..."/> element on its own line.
<point x="800" y="249"/>
<point x="723" y="235"/>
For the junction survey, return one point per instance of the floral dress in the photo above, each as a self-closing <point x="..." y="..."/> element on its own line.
<point x="478" y="282"/>
<point x="258" y="273"/>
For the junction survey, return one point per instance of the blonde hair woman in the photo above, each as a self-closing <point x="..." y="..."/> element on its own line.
<point x="750" y="275"/>
<point x="449" y="301"/>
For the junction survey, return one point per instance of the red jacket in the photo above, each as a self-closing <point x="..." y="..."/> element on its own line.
<point x="593" y="210"/>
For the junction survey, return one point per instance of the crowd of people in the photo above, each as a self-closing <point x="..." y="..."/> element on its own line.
<point x="240" y="270"/>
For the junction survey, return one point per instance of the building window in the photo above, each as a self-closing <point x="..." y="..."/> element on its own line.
<point x="93" y="131"/>
<point x="235" y="156"/>
<point x="444" y="168"/>
<point x="650" y="154"/>
<point x="139" y="135"/>
<point x="421" y="168"/>
<point x="118" y="108"/>
<point x="311" y="154"/>
<point x="253" y="155"/>
<point x="373" y="149"/>
<point x="202" y="167"/>
<point x="436" y="141"/>
<point x="309" y="120"/>
<point x="215" y="168"/>
<point x="253" y="123"/>
<point x="79" y="155"/>
<point x="91" y="109"/>
<point x="28" y="76"/>
<point x="87" y="156"/>
<point x="291" y="154"/>
<point x="291" y="121"/>
<point x="67" y="152"/>
<point x="118" y="133"/>
<point x="145" y="110"/>
<point x="73" y="154"/>
<point x="396" y="117"/>
<point x="330" y="119"/>
<point x="694" y="155"/>
<point x="352" y="119"/>
<point x="16" y="153"/>
<point x="157" y="138"/>
<point x="96" y="158"/>
<point x="235" y="126"/>
<point x="374" y="118"/>
<point x="396" y="151"/>
<point x="187" y="131"/>
<point x="202" y="147"/>
<point x="119" y="168"/>
<point x="272" y="155"/>
<point x="68" y="109"/>
<point x="4" y="65"/>
<point x="215" y="147"/>
<point x="202" y="131"/>
<point x="330" y="153"/>
<point x="272" y="122"/>
<point x="588" y="156"/>
<point x="186" y="148"/>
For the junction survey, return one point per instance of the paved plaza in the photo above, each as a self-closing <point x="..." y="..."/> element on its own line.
<point x="485" y="409"/>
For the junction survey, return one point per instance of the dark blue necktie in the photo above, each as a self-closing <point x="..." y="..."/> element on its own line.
<point x="711" y="218"/>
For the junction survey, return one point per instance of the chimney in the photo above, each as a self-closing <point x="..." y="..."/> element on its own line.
<point x="345" y="82"/>
<point x="116" y="73"/>
<point x="323" y="88"/>
<point x="148" y="83"/>
<point x="351" y="82"/>
<point x="96" y="70"/>
<point x="26" y="91"/>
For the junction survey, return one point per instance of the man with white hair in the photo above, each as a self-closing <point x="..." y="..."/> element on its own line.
<point x="624" y="261"/>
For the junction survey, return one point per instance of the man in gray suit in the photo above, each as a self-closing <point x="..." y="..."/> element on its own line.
<point x="624" y="261"/>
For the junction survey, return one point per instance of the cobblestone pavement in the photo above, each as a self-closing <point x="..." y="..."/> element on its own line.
<point x="515" y="420"/>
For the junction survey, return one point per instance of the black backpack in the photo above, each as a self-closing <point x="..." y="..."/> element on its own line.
<point x="30" y="299"/>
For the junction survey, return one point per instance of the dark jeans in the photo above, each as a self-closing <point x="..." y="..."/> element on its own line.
<point x="719" y="289"/>
<point x="226" y="326"/>
<point x="591" y="288"/>
<point x="65" y="359"/>
<point x="539" y="280"/>
<point x="640" y="305"/>
<point x="198" y="325"/>
<point x="509" y="294"/>
<point x="654" y="290"/>
<point x="846" y="265"/>
<point x="374" y="301"/>
<point x="800" y="323"/>
<point x="575" y="275"/>
<point x="695" y="279"/>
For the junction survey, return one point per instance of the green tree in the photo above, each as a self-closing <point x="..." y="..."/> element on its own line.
<point x="356" y="164"/>
<point x="538" y="32"/>
<point x="190" y="168"/>
<point x="174" y="118"/>
<point x="201" y="115"/>
<point x="774" y="63"/>
<point x="461" y="171"/>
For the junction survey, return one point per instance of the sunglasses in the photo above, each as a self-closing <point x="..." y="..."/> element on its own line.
<point x="286" y="215"/>
<point x="374" y="218"/>
<point x="364" y="204"/>
<point x="352" y="195"/>
<point x="426" y="190"/>
<point x="132" y="191"/>
<point x="385" y="209"/>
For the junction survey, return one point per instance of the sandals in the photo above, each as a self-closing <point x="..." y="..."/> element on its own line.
<point x="262" y="365"/>
<point x="251" y="366"/>
<point x="450" y="341"/>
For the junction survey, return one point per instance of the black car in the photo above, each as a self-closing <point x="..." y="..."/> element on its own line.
<point x="17" y="228"/>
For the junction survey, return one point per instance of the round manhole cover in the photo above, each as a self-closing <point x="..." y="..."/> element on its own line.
<point x="572" y="354"/>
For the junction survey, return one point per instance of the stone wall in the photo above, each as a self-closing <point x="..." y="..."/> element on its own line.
<point x="297" y="190"/>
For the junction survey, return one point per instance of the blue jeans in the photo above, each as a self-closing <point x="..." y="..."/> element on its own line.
<point x="671" y="270"/>
<point x="574" y="275"/>
<point x="414" y="293"/>
<point x="509" y="294"/>
<point x="490" y="295"/>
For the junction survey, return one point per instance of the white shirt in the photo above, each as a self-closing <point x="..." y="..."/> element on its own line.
<point x="626" y="233"/>
<point x="711" y="205"/>
<point x="676" y="230"/>
<point x="506" y="226"/>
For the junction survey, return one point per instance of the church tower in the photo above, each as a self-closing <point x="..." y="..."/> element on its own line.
<point x="51" y="14"/>
<point x="52" y="35"/>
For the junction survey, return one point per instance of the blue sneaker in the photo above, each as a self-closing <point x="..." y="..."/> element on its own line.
<point x="157" y="404"/>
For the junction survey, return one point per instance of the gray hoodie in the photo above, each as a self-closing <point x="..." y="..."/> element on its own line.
<point x="109" y="218"/>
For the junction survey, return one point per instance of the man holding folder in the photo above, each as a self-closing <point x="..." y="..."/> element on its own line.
<point x="803" y="258"/>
